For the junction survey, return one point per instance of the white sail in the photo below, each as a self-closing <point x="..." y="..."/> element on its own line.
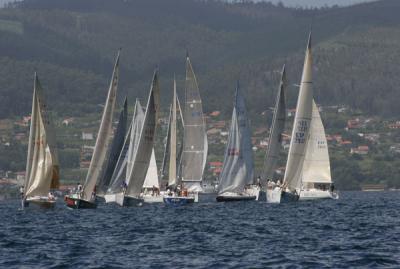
<point x="152" y="173"/>
<point x="124" y="164"/>
<point x="316" y="166"/>
<point x="237" y="170"/>
<point x="172" y="176"/>
<point x="42" y="154"/>
<point x="195" y="144"/>
<point x="277" y="128"/>
<point x="301" y="126"/>
<point x="142" y="157"/>
<point x="103" y="138"/>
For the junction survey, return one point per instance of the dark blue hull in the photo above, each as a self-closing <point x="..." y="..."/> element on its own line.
<point x="178" y="201"/>
<point x="288" y="197"/>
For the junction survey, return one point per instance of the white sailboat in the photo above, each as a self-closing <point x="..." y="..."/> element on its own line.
<point x="134" y="160"/>
<point x="300" y="133"/>
<point x="42" y="167"/>
<point x="151" y="185"/>
<point x="273" y="190"/>
<point x="195" y="144"/>
<point x="87" y="197"/>
<point x="175" y="198"/>
<point x="237" y="170"/>
<point x="316" y="174"/>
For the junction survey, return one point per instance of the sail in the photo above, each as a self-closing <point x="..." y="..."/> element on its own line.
<point x="238" y="160"/>
<point x="301" y="126"/>
<point x="116" y="148"/>
<point x="125" y="159"/>
<point x="103" y="140"/>
<point x="152" y="173"/>
<point x="277" y="128"/>
<point x="141" y="158"/>
<point x="316" y="166"/>
<point x="42" y="160"/>
<point x="172" y="176"/>
<point x="195" y="145"/>
<point x="163" y="168"/>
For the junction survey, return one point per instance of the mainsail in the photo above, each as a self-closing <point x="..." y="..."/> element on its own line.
<point x="195" y="145"/>
<point x="301" y="126"/>
<point x="277" y="128"/>
<point x="316" y="166"/>
<point x="116" y="148"/>
<point x="151" y="179"/>
<point x="103" y="140"/>
<point x="141" y="159"/>
<point x="237" y="170"/>
<point x="42" y="159"/>
<point x="172" y="176"/>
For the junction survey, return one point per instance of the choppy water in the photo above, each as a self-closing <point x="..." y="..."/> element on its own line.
<point x="359" y="230"/>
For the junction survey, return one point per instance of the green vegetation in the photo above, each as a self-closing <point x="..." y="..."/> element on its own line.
<point x="72" y="45"/>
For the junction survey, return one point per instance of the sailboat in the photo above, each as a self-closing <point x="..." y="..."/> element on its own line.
<point x="300" y="134"/>
<point x="86" y="198"/>
<point x="195" y="144"/>
<point x="316" y="174"/>
<point x="42" y="167"/>
<point x="174" y="182"/>
<point x="151" y="185"/>
<point x="134" y="160"/>
<point x="273" y="192"/>
<point x="116" y="147"/>
<point x="237" y="170"/>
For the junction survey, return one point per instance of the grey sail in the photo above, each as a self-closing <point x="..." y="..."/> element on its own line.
<point x="141" y="159"/>
<point x="42" y="159"/>
<point x="163" y="169"/>
<point x="301" y="126"/>
<point x="103" y="140"/>
<point x="195" y="145"/>
<point x="238" y="160"/>
<point x="172" y="173"/>
<point x="276" y="131"/>
<point x="116" y="147"/>
<point x="124" y="163"/>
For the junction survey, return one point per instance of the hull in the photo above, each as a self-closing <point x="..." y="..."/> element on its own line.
<point x="153" y="199"/>
<point x="253" y="190"/>
<point x="315" y="194"/>
<point x="178" y="200"/>
<point x="288" y="197"/>
<point x="122" y="200"/>
<point x="41" y="202"/>
<point x="77" y="203"/>
<point x="274" y="195"/>
<point x="132" y="201"/>
<point x="235" y="197"/>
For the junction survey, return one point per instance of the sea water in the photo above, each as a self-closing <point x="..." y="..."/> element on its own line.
<point x="360" y="230"/>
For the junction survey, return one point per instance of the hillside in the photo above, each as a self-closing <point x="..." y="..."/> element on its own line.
<point x="72" y="44"/>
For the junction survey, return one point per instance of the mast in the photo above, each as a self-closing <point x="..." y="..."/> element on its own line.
<point x="142" y="156"/>
<point x="301" y="126"/>
<point x="277" y="128"/>
<point x="116" y="147"/>
<point x="316" y="166"/>
<point x="195" y="145"/>
<point x="103" y="137"/>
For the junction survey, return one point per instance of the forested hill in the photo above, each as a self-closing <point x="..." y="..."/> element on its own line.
<point x="72" y="43"/>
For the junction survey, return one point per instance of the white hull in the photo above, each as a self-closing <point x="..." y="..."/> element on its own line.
<point x="274" y="195"/>
<point x="314" y="194"/>
<point x="40" y="201"/>
<point x="115" y="198"/>
<point x="148" y="198"/>
<point x="253" y="190"/>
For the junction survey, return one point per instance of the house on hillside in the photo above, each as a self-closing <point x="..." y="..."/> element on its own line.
<point x="361" y="150"/>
